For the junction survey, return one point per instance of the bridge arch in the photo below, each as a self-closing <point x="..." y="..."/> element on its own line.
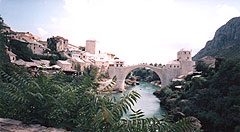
<point x="122" y="72"/>
<point x="154" y="69"/>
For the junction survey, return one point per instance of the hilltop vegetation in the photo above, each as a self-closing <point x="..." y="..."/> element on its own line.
<point x="214" y="98"/>
<point x="226" y="42"/>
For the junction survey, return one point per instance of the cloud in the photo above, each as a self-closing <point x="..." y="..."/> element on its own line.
<point x="43" y="33"/>
<point x="226" y="12"/>
<point x="53" y="19"/>
<point x="152" y="29"/>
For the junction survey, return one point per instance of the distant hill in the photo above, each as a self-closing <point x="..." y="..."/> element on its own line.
<point x="226" y="42"/>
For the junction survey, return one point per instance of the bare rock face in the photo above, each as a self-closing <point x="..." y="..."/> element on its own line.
<point x="9" y="125"/>
<point x="226" y="42"/>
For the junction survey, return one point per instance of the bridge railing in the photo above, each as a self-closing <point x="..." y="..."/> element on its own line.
<point x="145" y="64"/>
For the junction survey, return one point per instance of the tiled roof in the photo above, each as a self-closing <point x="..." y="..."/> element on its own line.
<point x="5" y="25"/>
<point x="64" y="62"/>
<point x="32" y="41"/>
<point x="59" y="37"/>
<point x="78" y="59"/>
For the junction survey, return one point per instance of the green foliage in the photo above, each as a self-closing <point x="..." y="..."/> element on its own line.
<point x="52" y="43"/>
<point x="4" y="59"/>
<point x="21" y="50"/>
<point x="74" y="103"/>
<point x="204" y="68"/>
<point x="213" y="98"/>
<point x="53" y="62"/>
<point x="78" y="67"/>
<point x="103" y="76"/>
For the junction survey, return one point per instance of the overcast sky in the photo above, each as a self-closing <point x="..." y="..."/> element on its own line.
<point x="135" y="30"/>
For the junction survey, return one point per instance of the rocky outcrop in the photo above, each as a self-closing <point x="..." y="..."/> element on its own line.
<point x="208" y="60"/>
<point x="9" y="125"/>
<point x="226" y="42"/>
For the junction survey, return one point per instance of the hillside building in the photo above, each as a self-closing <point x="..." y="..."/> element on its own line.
<point x="62" y="43"/>
<point x="65" y="65"/>
<point x="184" y="62"/>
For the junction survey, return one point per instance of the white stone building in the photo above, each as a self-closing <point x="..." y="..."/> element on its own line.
<point x="44" y="43"/>
<point x="6" y="28"/>
<point x="35" y="46"/>
<point x="12" y="56"/>
<point x="173" y="64"/>
<point x="62" y="43"/>
<point x="71" y="47"/>
<point x="184" y="62"/>
<point x="118" y="62"/>
<point x="65" y="65"/>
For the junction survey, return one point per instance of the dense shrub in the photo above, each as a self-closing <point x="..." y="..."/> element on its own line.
<point x="213" y="98"/>
<point x="74" y="104"/>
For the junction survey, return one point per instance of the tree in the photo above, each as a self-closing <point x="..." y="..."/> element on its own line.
<point x="4" y="58"/>
<point x="213" y="98"/>
<point x="52" y="43"/>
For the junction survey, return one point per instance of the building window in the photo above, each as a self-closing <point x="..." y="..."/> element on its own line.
<point x="185" y="53"/>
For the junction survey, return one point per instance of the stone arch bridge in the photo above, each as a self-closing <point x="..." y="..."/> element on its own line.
<point x="165" y="74"/>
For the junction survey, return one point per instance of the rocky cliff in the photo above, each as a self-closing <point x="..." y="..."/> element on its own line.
<point x="226" y="42"/>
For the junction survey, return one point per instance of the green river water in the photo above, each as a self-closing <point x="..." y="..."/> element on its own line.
<point x="148" y="102"/>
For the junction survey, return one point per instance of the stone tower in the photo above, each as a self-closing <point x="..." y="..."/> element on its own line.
<point x="92" y="47"/>
<point x="185" y="59"/>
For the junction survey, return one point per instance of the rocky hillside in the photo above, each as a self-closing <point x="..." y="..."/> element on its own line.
<point x="226" y="42"/>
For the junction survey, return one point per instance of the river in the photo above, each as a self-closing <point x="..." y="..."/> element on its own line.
<point x="148" y="102"/>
